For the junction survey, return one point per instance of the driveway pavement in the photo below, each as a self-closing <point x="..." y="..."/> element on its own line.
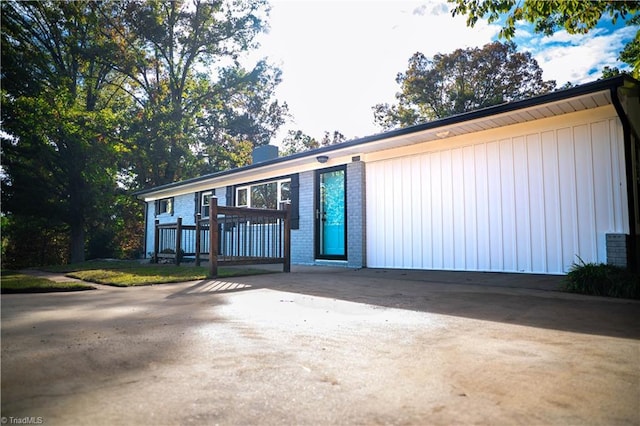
<point x="323" y="346"/>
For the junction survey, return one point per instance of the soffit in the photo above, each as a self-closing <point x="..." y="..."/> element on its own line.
<point x="341" y="153"/>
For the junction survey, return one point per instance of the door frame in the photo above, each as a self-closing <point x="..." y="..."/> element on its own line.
<point x="316" y="215"/>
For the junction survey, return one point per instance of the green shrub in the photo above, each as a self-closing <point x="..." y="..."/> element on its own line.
<point x="600" y="279"/>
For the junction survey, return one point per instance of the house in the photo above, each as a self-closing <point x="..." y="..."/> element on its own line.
<point x="529" y="186"/>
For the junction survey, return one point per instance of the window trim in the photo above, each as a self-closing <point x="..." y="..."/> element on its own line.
<point x="204" y="212"/>
<point x="247" y="188"/>
<point x="168" y="204"/>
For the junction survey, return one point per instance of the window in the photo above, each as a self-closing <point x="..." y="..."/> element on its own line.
<point x="204" y="203"/>
<point x="164" y="206"/>
<point x="264" y="195"/>
<point x="242" y="200"/>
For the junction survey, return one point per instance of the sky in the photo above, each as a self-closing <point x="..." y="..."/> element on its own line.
<point x="340" y="58"/>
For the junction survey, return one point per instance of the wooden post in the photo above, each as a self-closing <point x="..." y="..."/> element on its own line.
<point x="178" y="241"/>
<point x="198" y="217"/>
<point x="287" y="239"/>
<point x="213" y="237"/>
<point x="156" y="241"/>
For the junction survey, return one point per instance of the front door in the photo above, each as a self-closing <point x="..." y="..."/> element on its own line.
<point x="331" y="226"/>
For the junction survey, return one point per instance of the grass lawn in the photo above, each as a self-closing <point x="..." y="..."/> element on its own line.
<point x="133" y="273"/>
<point x="15" y="282"/>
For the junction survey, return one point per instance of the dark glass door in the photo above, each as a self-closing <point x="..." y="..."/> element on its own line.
<point x="331" y="227"/>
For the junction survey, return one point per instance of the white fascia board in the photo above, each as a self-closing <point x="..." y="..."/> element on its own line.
<point x="343" y="154"/>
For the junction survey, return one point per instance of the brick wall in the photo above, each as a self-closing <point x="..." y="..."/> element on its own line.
<point x="302" y="239"/>
<point x="356" y="220"/>
<point x="221" y="195"/>
<point x="617" y="247"/>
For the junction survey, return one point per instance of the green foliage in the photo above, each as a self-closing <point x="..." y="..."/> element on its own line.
<point x="548" y="16"/>
<point x="602" y="280"/>
<point x="142" y="275"/>
<point x="33" y="241"/>
<point x="297" y="141"/>
<point x="99" y="98"/>
<point x="131" y="273"/>
<point x="608" y="72"/>
<point x="186" y="121"/>
<point x="462" y="81"/>
<point x="15" y="282"/>
<point x="59" y="114"/>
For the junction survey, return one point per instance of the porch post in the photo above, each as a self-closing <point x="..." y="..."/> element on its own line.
<point x="213" y="237"/>
<point x="178" y="241"/>
<point x="156" y="240"/>
<point x="287" y="239"/>
<point x="198" y="216"/>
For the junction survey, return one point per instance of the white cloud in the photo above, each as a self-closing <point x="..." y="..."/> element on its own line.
<point x="581" y="58"/>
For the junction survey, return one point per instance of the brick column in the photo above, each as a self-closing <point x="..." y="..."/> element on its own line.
<point x="356" y="215"/>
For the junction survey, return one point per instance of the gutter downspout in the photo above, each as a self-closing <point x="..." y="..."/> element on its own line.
<point x="632" y="257"/>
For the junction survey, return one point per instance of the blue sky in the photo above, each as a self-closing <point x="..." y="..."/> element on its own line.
<point x="339" y="58"/>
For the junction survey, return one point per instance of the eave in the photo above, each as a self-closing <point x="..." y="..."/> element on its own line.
<point x="579" y="98"/>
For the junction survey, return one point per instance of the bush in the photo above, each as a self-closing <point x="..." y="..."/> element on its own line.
<point x="600" y="279"/>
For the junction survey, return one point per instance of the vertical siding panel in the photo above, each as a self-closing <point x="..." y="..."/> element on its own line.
<point x="374" y="236"/>
<point x="447" y="211"/>
<point x="481" y="220"/>
<point x="553" y="235"/>
<point x="416" y="195"/>
<point x="470" y="207"/>
<point x="427" y="207"/>
<point x="379" y="206"/>
<point x="568" y="200"/>
<point x="522" y="218"/>
<point x="603" y="194"/>
<point x="400" y="215"/>
<point x="437" y="210"/>
<point x="392" y="244"/>
<point x="382" y="207"/>
<point x="585" y="184"/>
<point x="536" y="204"/>
<point x="408" y="240"/>
<point x="370" y="219"/>
<point x="372" y="183"/>
<point x="411" y="196"/>
<point x="394" y="238"/>
<point x="459" y="212"/>
<point x="507" y="193"/>
<point x="494" y="184"/>
<point x="621" y="224"/>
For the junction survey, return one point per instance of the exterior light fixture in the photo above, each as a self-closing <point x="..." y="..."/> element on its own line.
<point x="322" y="159"/>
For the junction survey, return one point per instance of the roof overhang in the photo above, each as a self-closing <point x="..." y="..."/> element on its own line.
<point x="579" y="98"/>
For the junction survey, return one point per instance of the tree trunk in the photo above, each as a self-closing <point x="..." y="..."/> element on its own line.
<point x="77" y="242"/>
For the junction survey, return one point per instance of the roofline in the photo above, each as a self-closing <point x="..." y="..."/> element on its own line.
<point x="583" y="89"/>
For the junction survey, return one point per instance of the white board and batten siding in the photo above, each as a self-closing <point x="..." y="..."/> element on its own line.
<point x="526" y="198"/>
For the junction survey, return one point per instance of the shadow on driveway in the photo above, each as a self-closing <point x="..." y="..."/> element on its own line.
<point x="522" y="299"/>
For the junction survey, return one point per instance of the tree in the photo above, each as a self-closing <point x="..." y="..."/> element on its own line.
<point x="297" y="141"/>
<point x="101" y="97"/>
<point x="465" y="80"/>
<point x="241" y="116"/>
<point x="59" y="114"/>
<point x="332" y="138"/>
<point x="185" y="119"/>
<point x="576" y="17"/>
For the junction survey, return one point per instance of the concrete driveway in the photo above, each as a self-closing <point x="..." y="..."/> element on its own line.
<point x="323" y="346"/>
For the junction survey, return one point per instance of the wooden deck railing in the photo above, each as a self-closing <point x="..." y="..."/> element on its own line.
<point x="240" y="236"/>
